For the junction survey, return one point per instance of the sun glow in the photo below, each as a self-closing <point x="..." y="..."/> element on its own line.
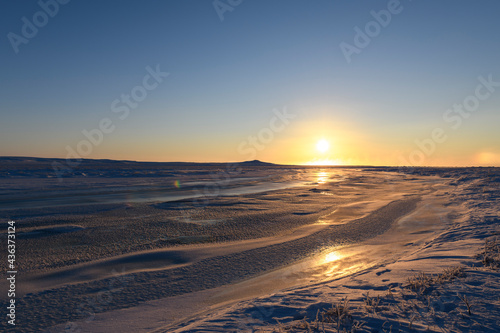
<point x="325" y="162"/>
<point x="322" y="146"/>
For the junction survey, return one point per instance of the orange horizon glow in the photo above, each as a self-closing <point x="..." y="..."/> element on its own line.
<point x="329" y="142"/>
<point x="319" y="163"/>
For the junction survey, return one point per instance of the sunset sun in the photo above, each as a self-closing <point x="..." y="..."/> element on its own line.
<point x="322" y="146"/>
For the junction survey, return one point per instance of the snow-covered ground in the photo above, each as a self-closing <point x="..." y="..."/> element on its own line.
<point x="366" y="249"/>
<point x="448" y="282"/>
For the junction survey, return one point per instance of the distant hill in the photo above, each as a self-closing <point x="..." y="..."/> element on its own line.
<point x="256" y="163"/>
<point x="14" y="167"/>
<point x="7" y="161"/>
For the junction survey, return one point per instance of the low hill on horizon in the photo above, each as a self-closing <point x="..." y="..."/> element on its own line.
<point x="24" y="166"/>
<point x="44" y="160"/>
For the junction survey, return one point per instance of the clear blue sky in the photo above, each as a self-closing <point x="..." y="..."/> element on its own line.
<point x="226" y="78"/>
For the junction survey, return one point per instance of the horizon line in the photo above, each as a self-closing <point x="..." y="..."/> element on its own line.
<point x="256" y="161"/>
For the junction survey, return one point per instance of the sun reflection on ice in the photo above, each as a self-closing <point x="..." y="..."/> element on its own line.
<point x="322" y="177"/>
<point x="332" y="256"/>
<point x="331" y="265"/>
<point x="339" y="263"/>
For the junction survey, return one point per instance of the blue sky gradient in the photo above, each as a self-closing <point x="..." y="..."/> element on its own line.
<point x="226" y="78"/>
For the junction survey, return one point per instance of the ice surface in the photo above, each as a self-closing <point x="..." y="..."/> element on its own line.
<point x="261" y="260"/>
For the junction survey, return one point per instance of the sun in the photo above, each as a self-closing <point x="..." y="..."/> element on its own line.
<point x="322" y="146"/>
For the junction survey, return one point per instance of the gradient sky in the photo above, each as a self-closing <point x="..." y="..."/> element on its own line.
<point x="227" y="79"/>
